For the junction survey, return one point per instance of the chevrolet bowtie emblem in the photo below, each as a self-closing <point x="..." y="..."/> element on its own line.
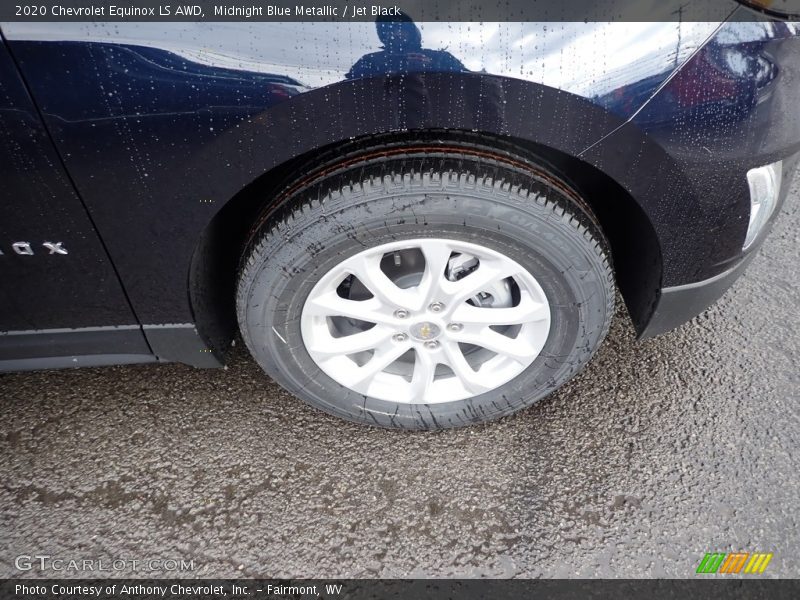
<point x="425" y="331"/>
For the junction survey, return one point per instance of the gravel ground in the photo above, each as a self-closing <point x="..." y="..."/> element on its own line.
<point x="659" y="452"/>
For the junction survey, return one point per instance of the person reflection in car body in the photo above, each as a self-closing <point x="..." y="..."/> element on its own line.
<point x="402" y="52"/>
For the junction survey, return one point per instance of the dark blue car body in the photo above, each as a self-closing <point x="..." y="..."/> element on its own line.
<point x="135" y="156"/>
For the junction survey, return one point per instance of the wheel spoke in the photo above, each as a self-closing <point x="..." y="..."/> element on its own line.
<point x="456" y="292"/>
<point x="351" y="344"/>
<point x="421" y="380"/>
<point x="518" y="349"/>
<point x="458" y="363"/>
<point x="333" y="305"/>
<point x="437" y="254"/>
<point x="526" y="311"/>
<point x="367" y="269"/>
<point x="383" y="357"/>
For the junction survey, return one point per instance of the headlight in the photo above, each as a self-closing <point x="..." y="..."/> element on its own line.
<point x="765" y="187"/>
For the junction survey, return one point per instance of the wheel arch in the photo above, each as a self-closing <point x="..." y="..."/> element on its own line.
<point x="635" y="247"/>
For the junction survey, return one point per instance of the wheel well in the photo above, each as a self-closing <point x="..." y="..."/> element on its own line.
<point x="635" y="249"/>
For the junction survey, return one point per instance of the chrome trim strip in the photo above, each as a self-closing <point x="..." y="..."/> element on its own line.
<point x="69" y="330"/>
<point x="72" y="362"/>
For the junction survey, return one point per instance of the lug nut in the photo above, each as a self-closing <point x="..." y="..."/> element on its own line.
<point x="400" y="313"/>
<point x="436" y="307"/>
<point x="455" y="327"/>
<point x="399" y="337"/>
<point x="432" y="345"/>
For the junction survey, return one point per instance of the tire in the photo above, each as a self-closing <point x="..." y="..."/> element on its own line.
<point x="497" y="213"/>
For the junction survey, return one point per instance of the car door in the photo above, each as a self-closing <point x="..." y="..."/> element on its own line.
<point x="61" y="302"/>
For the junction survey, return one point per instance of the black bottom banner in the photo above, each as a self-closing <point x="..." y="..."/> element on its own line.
<point x="420" y="589"/>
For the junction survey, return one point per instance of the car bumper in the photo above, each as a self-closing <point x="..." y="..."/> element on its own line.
<point x="681" y="303"/>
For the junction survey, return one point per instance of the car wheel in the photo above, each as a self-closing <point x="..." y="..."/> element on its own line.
<point x="426" y="290"/>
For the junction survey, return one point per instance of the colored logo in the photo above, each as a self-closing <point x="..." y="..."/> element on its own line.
<point x="425" y="331"/>
<point x="735" y="562"/>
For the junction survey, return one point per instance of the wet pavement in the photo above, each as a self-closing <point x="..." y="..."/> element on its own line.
<point x="657" y="453"/>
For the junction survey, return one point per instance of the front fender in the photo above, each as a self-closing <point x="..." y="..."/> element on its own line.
<point x="162" y="127"/>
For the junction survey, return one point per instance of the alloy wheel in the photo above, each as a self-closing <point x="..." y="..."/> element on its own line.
<point x="425" y="321"/>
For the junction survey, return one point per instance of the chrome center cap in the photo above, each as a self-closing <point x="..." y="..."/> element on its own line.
<point x="425" y="331"/>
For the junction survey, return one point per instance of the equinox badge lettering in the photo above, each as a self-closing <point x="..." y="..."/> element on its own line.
<point x="26" y="249"/>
